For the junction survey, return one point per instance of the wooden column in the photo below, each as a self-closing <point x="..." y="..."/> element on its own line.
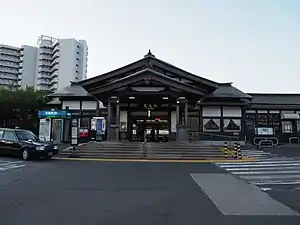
<point x="186" y="113"/>
<point x="108" y="119"/>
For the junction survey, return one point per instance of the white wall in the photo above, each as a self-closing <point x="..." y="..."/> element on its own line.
<point x="232" y="111"/>
<point x="29" y="66"/>
<point x="67" y="62"/>
<point x="83" y="59"/>
<point x="173" y="121"/>
<point x="71" y="104"/>
<point x="89" y="105"/>
<point x="209" y="111"/>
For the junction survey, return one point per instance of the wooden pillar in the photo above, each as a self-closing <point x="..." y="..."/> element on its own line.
<point x="117" y="130"/>
<point x="186" y="113"/>
<point x="108" y="119"/>
<point x="177" y="114"/>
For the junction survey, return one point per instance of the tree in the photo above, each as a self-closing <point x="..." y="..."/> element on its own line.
<point x="20" y="106"/>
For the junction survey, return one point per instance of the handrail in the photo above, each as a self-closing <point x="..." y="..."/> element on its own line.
<point x="294" y="138"/>
<point x="266" y="141"/>
<point x="266" y="138"/>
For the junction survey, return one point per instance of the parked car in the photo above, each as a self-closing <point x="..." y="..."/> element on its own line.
<point x="24" y="144"/>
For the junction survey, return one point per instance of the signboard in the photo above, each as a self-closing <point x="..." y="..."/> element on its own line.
<point x="264" y="131"/>
<point x="74" y="132"/>
<point x="59" y="114"/>
<point x="45" y="129"/>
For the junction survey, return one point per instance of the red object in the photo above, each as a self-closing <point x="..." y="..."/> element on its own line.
<point x="83" y="132"/>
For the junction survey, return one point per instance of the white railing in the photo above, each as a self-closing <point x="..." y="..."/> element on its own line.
<point x="270" y="142"/>
<point x="274" y="140"/>
<point x="294" y="138"/>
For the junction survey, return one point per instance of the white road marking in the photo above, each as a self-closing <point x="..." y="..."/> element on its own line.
<point x="9" y="165"/>
<point x="266" y="172"/>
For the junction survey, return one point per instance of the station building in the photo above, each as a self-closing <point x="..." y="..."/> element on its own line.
<point x="153" y="94"/>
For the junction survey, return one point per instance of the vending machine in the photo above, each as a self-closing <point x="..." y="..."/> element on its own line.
<point x="98" y="128"/>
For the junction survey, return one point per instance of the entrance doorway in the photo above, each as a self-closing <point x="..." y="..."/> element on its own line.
<point x="150" y="129"/>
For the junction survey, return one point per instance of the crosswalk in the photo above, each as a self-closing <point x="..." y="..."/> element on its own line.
<point x="259" y="154"/>
<point x="266" y="172"/>
<point x="9" y="165"/>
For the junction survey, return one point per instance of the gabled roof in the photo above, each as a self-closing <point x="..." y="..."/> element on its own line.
<point x="149" y="61"/>
<point x="147" y="74"/>
<point x="72" y="90"/>
<point x="226" y="90"/>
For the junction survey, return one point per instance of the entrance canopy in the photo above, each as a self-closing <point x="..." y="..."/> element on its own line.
<point x="149" y="77"/>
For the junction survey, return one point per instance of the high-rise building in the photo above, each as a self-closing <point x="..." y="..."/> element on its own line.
<point x="9" y="66"/>
<point x="50" y="66"/>
<point x="60" y="61"/>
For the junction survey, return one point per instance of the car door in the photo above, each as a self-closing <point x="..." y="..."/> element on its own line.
<point x="11" y="142"/>
<point x="2" y="145"/>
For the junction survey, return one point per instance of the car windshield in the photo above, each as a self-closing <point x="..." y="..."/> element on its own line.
<point x="26" y="135"/>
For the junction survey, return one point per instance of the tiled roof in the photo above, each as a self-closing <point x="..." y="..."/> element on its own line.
<point x="226" y="90"/>
<point x="72" y="90"/>
<point x="275" y="99"/>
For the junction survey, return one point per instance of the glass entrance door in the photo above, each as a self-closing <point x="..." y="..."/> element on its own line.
<point x="150" y="129"/>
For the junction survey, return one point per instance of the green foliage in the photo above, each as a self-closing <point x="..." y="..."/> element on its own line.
<point x="21" y="105"/>
<point x="22" y="98"/>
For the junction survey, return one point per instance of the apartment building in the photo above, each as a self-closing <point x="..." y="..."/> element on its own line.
<point x="60" y="61"/>
<point x="9" y="66"/>
<point x="49" y="66"/>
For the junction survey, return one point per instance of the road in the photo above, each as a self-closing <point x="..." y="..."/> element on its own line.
<point x="93" y="193"/>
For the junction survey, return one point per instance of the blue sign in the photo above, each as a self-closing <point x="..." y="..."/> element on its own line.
<point x="58" y="114"/>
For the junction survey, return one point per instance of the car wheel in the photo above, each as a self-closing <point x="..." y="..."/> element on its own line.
<point x="25" y="154"/>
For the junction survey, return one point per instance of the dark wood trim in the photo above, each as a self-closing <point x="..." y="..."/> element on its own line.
<point x="147" y="74"/>
<point x="114" y="73"/>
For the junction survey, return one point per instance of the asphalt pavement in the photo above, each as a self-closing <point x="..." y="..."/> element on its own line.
<point x="93" y="193"/>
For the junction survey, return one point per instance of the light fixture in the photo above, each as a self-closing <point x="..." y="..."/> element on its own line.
<point x="165" y="98"/>
<point x="149" y="113"/>
<point x="177" y="102"/>
<point x="132" y="97"/>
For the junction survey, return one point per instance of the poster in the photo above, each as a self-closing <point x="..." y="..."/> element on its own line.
<point x="45" y="129"/>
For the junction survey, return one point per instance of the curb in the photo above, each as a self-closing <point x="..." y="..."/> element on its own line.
<point x="155" y="160"/>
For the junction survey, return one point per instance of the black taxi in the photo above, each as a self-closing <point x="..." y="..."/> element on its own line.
<point x="24" y="144"/>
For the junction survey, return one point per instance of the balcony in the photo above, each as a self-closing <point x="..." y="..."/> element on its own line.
<point x="44" y="69"/>
<point x="9" y="58"/>
<point x="56" y="48"/>
<point x="54" y="68"/>
<point x="54" y="81"/>
<point x="45" y="57"/>
<point x="54" y="74"/>
<point x="56" y="55"/>
<point x="54" y="87"/>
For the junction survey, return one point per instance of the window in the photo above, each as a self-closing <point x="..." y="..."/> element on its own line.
<point x="26" y="135"/>
<point x="287" y="127"/>
<point x="9" y="135"/>
<point x="250" y="119"/>
<point x="85" y="122"/>
<point x="211" y="124"/>
<point x="262" y="120"/>
<point x="1" y="133"/>
<point x="232" y="125"/>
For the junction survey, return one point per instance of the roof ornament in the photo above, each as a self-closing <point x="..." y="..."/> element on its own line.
<point x="149" y="54"/>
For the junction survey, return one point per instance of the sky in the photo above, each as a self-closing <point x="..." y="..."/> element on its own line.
<point x="253" y="43"/>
